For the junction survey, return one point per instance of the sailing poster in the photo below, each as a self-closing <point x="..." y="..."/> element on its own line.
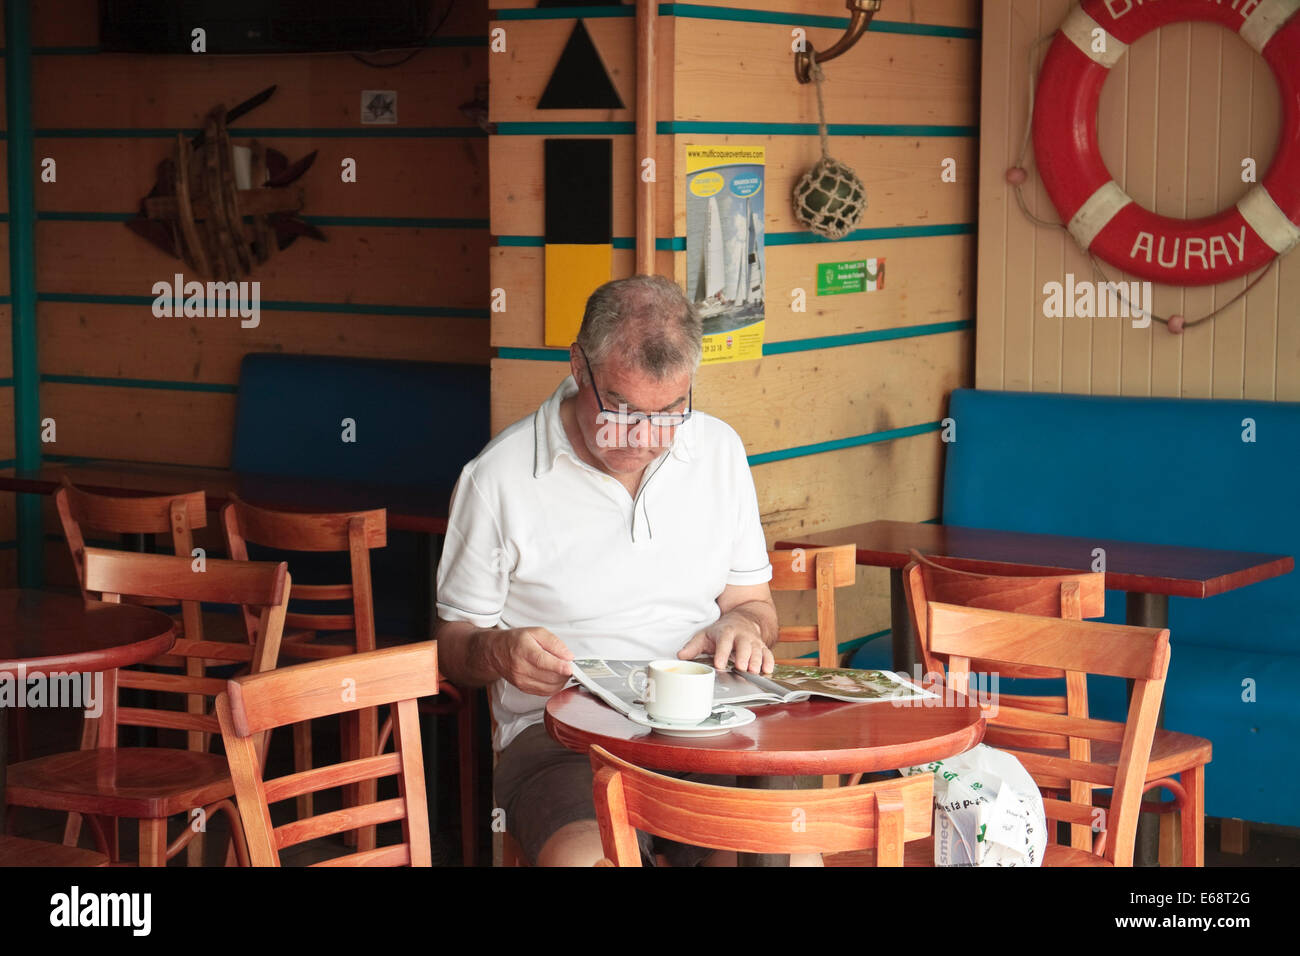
<point x="725" y="261"/>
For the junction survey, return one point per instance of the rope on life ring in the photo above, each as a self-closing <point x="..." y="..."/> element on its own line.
<point x="1106" y="222"/>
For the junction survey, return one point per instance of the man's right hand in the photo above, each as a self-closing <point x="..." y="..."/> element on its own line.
<point x="532" y="659"/>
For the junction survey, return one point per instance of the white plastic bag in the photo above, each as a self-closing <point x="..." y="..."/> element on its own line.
<point x="987" y="810"/>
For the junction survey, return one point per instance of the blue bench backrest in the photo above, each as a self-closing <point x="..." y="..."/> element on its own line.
<point x="1152" y="470"/>
<point x="416" y="422"/>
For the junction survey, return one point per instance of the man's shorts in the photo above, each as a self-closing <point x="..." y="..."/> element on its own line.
<point x="542" y="786"/>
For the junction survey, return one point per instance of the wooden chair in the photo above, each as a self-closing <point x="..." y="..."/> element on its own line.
<point x="1073" y="596"/>
<point x="151" y="784"/>
<point x="17" y="851"/>
<point x="254" y="705"/>
<point x="1138" y="653"/>
<point x="813" y="569"/>
<point x="356" y="533"/>
<point x="177" y="516"/>
<point x="884" y="815"/>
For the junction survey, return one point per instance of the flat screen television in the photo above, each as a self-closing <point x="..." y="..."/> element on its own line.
<point x="263" y="26"/>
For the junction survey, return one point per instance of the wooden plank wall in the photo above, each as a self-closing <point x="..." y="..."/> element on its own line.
<point x="403" y="273"/>
<point x="1178" y="114"/>
<point x="840" y="416"/>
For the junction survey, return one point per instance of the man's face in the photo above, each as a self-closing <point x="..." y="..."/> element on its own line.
<point x="625" y="449"/>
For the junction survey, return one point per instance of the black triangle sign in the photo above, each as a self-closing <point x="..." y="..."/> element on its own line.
<point x="580" y="81"/>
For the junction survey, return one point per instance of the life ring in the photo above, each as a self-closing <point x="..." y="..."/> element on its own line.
<point x="1103" y="219"/>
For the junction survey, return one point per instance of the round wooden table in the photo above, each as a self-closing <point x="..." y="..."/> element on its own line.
<point x="43" y="633"/>
<point x="817" y="736"/>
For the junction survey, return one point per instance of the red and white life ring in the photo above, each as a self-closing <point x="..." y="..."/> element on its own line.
<point x="1106" y="221"/>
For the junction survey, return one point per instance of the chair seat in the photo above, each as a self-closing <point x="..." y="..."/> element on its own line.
<point x="1058" y="854"/>
<point x="136" y="782"/>
<point x="1171" y="752"/>
<point x="17" y="851"/>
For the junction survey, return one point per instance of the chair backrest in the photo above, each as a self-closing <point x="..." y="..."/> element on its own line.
<point x="353" y="532"/>
<point x="813" y="569"/>
<point x="258" y="703"/>
<point x="261" y="588"/>
<point x="884" y="815"/>
<point x="1140" y="654"/>
<point x="175" y="515"/>
<point x="1074" y="596"/>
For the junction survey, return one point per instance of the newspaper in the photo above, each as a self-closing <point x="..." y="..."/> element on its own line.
<point x="787" y="684"/>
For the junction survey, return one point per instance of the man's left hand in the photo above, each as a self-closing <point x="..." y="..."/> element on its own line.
<point x="731" y="637"/>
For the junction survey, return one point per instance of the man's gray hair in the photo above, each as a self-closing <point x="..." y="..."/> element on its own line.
<point x="649" y="320"/>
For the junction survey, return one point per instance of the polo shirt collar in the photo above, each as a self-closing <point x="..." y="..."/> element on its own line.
<point x="551" y="440"/>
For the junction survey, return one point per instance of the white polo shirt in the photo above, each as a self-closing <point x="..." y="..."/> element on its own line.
<point x="538" y="538"/>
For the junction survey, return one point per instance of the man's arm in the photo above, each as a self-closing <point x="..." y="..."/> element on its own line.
<point x="531" y="658"/>
<point x="745" y="632"/>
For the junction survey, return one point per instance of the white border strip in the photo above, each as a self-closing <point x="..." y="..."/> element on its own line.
<point x="1079" y="27"/>
<point x="1097" y="212"/>
<point x="1265" y="20"/>
<point x="1268" y="220"/>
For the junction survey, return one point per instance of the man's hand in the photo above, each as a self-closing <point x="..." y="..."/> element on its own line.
<point x="532" y="659"/>
<point x="731" y="637"/>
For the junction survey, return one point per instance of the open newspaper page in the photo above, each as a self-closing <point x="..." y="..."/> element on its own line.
<point x="609" y="680"/>
<point x="797" y="682"/>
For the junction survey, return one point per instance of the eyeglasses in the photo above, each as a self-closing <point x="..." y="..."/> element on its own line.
<point x="624" y="417"/>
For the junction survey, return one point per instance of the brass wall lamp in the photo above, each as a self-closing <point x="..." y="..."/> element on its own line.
<point x="860" y="14"/>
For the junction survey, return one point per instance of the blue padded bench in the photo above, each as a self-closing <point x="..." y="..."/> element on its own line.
<point x="417" y="423"/>
<point x="1164" y="471"/>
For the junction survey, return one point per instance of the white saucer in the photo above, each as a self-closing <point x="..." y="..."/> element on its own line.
<point x="731" y="718"/>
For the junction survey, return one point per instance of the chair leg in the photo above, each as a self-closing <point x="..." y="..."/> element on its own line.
<point x="89" y="737"/>
<point x="1193" y="780"/>
<point x="301" y="762"/>
<point x="367" y="790"/>
<point x="153" y="842"/>
<point x="468" y="781"/>
<point x="349" y="737"/>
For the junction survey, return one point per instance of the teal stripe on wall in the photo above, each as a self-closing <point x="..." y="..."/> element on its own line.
<point x="693" y="11"/>
<point x="312" y="132"/>
<point x="670" y="127"/>
<point x="447" y="41"/>
<point x="7" y="462"/>
<point x="870" y="438"/>
<point x="678" y="243"/>
<point x="8" y="545"/>
<point x="139" y="383"/>
<point x="6" y="383"/>
<point x="380" y="221"/>
<point x="287" y="305"/>
<point x="780" y="348"/>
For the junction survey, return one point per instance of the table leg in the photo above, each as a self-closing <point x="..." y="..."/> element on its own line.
<point x="1147" y="610"/>
<point x="762" y="859"/>
<point x="4" y="763"/>
<point x="901" y="634"/>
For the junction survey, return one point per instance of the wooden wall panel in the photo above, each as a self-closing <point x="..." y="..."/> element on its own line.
<point x="112" y="175"/>
<point x="387" y="265"/>
<point x="887" y="78"/>
<point x="111" y="90"/>
<point x="140" y="424"/>
<point x="819" y="411"/>
<point x="927" y="280"/>
<point x="1177" y="116"/>
<point x="773" y="402"/>
<point x="72" y="337"/>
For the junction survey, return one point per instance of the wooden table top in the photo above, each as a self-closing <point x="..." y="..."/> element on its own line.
<point x="410" y="507"/>
<point x="1130" y="566"/>
<point x="817" y="736"/>
<point x="47" y="632"/>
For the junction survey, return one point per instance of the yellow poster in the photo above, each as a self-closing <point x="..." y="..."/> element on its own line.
<point x="725" y="265"/>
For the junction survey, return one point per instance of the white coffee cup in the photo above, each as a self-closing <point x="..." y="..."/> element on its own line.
<point x="675" y="692"/>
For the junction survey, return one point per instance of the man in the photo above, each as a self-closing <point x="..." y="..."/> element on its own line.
<point x="617" y="521"/>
